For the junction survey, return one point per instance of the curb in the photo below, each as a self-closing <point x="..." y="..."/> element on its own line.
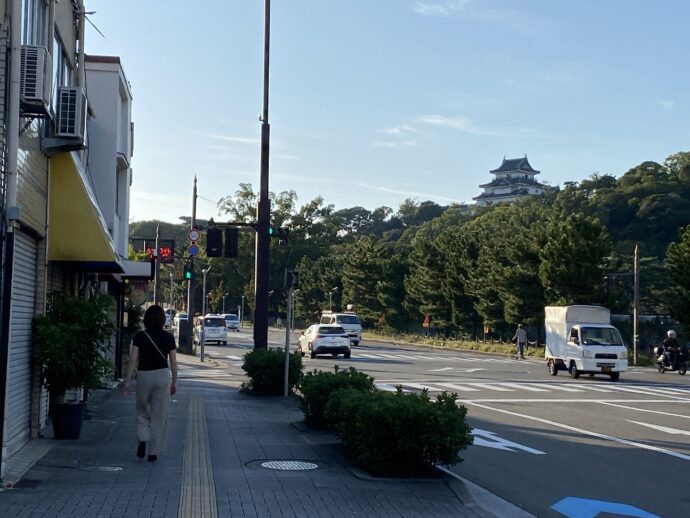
<point x="480" y="501"/>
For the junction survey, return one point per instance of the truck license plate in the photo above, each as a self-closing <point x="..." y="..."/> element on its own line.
<point x="606" y="368"/>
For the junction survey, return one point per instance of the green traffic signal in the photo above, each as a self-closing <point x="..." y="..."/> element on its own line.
<point x="187" y="275"/>
<point x="271" y="231"/>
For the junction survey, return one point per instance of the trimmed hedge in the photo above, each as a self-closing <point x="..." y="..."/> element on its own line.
<point x="266" y="370"/>
<point x="317" y="387"/>
<point x="399" y="434"/>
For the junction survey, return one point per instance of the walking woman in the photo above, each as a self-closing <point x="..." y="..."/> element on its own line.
<point x="151" y="349"/>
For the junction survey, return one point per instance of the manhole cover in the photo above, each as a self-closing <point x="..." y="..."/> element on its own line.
<point x="288" y="465"/>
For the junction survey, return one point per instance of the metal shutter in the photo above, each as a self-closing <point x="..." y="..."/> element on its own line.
<point x="18" y="417"/>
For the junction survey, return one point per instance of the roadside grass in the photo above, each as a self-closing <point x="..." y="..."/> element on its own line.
<point x="465" y="345"/>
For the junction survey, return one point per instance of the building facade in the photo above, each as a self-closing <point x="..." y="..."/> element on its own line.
<point x="514" y="179"/>
<point x="66" y="174"/>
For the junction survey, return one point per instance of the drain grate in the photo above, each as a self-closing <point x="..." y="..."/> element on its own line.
<point x="289" y="465"/>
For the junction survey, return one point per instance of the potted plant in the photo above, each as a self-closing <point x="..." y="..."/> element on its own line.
<point x="70" y="342"/>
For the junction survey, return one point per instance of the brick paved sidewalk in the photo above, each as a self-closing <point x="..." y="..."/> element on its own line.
<point x="218" y="441"/>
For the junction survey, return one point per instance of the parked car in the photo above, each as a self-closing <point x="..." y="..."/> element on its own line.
<point x="324" y="339"/>
<point x="169" y="315"/>
<point x="178" y="317"/>
<point x="232" y="322"/>
<point x="213" y="327"/>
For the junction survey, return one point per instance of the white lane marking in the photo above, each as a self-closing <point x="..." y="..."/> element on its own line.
<point x="420" y="386"/>
<point x="389" y="356"/>
<point x="525" y="386"/>
<point x="491" y="440"/>
<point x="669" y="414"/>
<point x="424" y="357"/>
<point x="441" y="369"/>
<point x="672" y="431"/>
<point x="638" y="391"/>
<point x="231" y="357"/>
<point x="564" y="388"/>
<point x="559" y="400"/>
<point x="407" y="357"/>
<point x="461" y="388"/>
<point x="488" y="386"/>
<point x="587" y="432"/>
<point x="387" y="388"/>
<point x="589" y="386"/>
<point x="361" y="355"/>
<point x="473" y="370"/>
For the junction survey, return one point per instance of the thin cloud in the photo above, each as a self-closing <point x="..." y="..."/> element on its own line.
<point x="408" y="194"/>
<point x="395" y="145"/>
<point x="461" y="124"/>
<point x="440" y="9"/>
<point x="232" y="138"/>
<point x="399" y="130"/>
<point x="666" y="104"/>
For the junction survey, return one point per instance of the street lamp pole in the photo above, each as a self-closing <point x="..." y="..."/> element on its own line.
<point x="224" y="301"/>
<point x="242" y="311"/>
<point x="330" y="298"/>
<point x="204" y="271"/>
<point x="263" y="211"/>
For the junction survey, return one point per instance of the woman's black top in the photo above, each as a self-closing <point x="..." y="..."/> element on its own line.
<point x="149" y="358"/>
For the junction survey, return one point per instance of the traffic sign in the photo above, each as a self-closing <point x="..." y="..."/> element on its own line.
<point x="193" y="250"/>
<point x="194" y="235"/>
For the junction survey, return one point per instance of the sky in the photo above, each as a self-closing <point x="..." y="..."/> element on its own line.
<point x="376" y="101"/>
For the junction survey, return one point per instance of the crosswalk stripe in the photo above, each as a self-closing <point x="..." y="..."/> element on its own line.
<point x="564" y="388"/>
<point x="595" y="388"/>
<point x="461" y="388"/>
<point x="231" y="357"/>
<point x="389" y="356"/>
<point x="361" y="355"/>
<point x="524" y="386"/>
<point x="420" y="386"/>
<point x="487" y="386"/>
<point x="407" y="357"/>
<point x="634" y="390"/>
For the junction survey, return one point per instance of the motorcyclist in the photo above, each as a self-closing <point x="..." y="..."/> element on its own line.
<point x="671" y="348"/>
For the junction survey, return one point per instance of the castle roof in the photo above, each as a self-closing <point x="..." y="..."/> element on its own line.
<point x="515" y="165"/>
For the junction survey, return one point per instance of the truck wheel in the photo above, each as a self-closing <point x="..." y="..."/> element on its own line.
<point x="615" y="376"/>
<point x="355" y="343"/>
<point x="553" y="370"/>
<point x="574" y="373"/>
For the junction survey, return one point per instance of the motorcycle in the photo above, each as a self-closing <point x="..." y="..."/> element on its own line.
<point x="664" y="363"/>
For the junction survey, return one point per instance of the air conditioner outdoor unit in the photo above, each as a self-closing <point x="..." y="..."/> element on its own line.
<point x="70" y="119"/>
<point x="35" y="80"/>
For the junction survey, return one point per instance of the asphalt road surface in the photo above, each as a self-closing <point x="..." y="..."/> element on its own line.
<point x="553" y="446"/>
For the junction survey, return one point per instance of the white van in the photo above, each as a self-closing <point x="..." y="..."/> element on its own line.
<point x="348" y="321"/>
<point x="581" y="340"/>
<point x="213" y="329"/>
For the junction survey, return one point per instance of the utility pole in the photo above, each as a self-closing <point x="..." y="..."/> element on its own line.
<point x="171" y="290"/>
<point x="157" y="268"/>
<point x="636" y="303"/>
<point x="186" y="337"/>
<point x="263" y="211"/>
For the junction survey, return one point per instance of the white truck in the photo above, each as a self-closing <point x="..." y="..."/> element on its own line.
<point x="581" y="340"/>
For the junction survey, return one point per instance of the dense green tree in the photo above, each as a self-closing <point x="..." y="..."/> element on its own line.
<point x="678" y="267"/>
<point x="571" y="260"/>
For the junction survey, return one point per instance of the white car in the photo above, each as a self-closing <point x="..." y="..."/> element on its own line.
<point x="177" y="318"/>
<point x="232" y="322"/>
<point x="324" y="339"/>
<point x="348" y="321"/>
<point x="213" y="327"/>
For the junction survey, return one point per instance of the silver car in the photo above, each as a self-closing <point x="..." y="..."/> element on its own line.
<point x="213" y="329"/>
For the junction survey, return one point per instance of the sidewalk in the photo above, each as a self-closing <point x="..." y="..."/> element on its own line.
<point x="218" y="445"/>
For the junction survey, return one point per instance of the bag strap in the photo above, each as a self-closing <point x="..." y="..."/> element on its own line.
<point x="154" y="344"/>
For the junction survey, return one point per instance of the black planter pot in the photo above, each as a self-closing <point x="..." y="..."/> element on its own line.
<point x="67" y="419"/>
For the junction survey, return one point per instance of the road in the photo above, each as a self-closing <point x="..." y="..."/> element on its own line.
<point x="553" y="446"/>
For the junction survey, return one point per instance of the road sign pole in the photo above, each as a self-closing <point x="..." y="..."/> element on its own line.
<point x="287" y="343"/>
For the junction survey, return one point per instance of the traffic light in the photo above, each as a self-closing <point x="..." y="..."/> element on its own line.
<point x="188" y="270"/>
<point x="280" y="232"/>
<point x="231" y="237"/>
<point x="214" y="242"/>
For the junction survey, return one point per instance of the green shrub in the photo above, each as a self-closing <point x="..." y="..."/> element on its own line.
<point x="266" y="370"/>
<point x="400" y="434"/>
<point x="318" y="386"/>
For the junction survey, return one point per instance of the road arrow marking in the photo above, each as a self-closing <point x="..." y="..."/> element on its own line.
<point x="443" y="369"/>
<point x="573" y="507"/>
<point x="474" y="370"/>
<point x="491" y="440"/>
<point x="672" y="431"/>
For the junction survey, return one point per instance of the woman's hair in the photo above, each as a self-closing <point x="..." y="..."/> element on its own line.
<point x="154" y="318"/>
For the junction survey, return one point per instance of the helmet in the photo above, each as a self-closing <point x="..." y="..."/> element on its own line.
<point x="520" y="326"/>
<point x="671" y="333"/>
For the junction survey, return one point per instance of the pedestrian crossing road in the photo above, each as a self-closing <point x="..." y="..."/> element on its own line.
<point x="585" y="389"/>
